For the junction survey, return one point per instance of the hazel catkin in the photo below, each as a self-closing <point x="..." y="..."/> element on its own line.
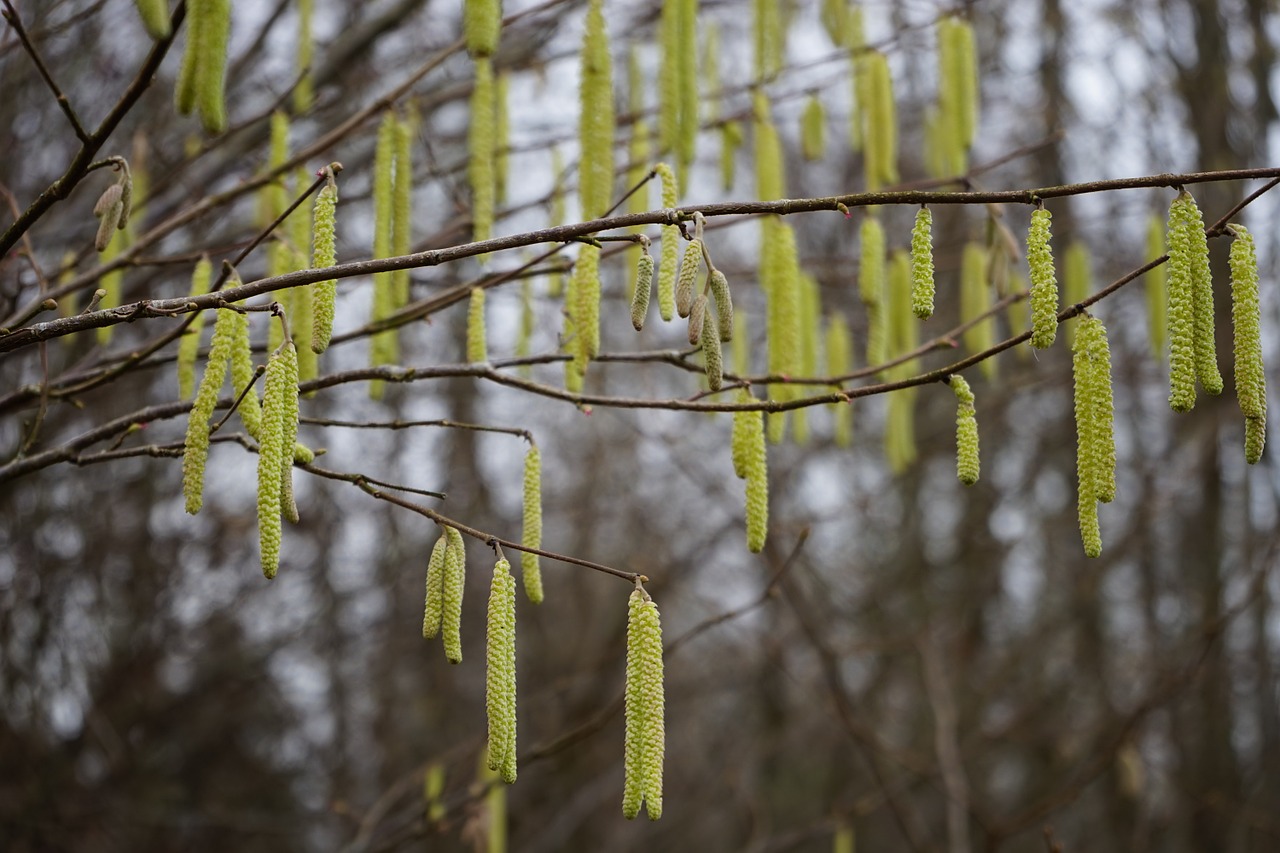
<point x="477" y="349"/>
<point x="712" y="355"/>
<point x="644" y="289"/>
<point x="279" y="404"/>
<point x="922" y="285"/>
<point x="670" y="257"/>
<point x="687" y="281"/>
<point x="1246" y="322"/>
<point x="645" y="739"/>
<point x="433" y="607"/>
<point x="324" y="253"/>
<point x="189" y="346"/>
<point x="453" y="587"/>
<point x="500" y="671"/>
<point x="531" y="533"/>
<point x="1095" y="438"/>
<point x="1044" y="283"/>
<point x="967" y="457"/>
<point x="196" y="446"/>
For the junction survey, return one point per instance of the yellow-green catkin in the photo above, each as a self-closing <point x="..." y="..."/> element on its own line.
<point x="856" y="42"/>
<point x="433" y="791"/>
<point x="1077" y="280"/>
<point x="741" y="345"/>
<point x="1157" y="288"/>
<point x="813" y="129"/>
<point x="881" y="137"/>
<point x="212" y="65"/>
<point x="712" y="355"/>
<point x="697" y="314"/>
<point x="155" y="17"/>
<point x="643" y="289"/>
<point x="452" y="588"/>
<point x="904" y="333"/>
<point x="477" y="349"/>
<point x="922" y="285"/>
<point x="324" y="253"/>
<point x="595" y="117"/>
<point x="686" y="282"/>
<point x="975" y="300"/>
<point x="301" y="307"/>
<point x="555" y="281"/>
<point x="1206" y="354"/>
<point x="769" y="161"/>
<point x="809" y="324"/>
<point x="1044" y="282"/>
<point x="482" y="26"/>
<point x="1188" y="273"/>
<point x="688" y="62"/>
<point x="967" y="458"/>
<point x="840" y="362"/>
<point x="502" y="138"/>
<point x="402" y="208"/>
<point x="433" y="607"/>
<point x="669" y="77"/>
<point x="279" y="406"/>
<point x="1095" y="438"/>
<point x="531" y="531"/>
<point x="871" y="288"/>
<point x="770" y="39"/>
<point x="196" y="452"/>
<point x="834" y="16"/>
<point x="528" y="319"/>
<point x="584" y="296"/>
<point x="1246" y="323"/>
<point x="782" y="316"/>
<point x="645" y="742"/>
<point x="480" y="143"/>
<point x="755" y="470"/>
<point x="304" y="93"/>
<point x="190" y="343"/>
<point x="669" y="260"/>
<point x="957" y="111"/>
<point x="243" y="374"/>
<point x="724" y="303"/>
<point x="500" y="672"/>
<point x="639" y="156"/>
<point x="383" y="345"/>
<point x="184" y="90"/>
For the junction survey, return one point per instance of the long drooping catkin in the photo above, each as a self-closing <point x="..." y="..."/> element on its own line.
<point x="967" y="458"/>
<point x="595" y="118"/>
<point x="871" y="288"/>
<point x="196" y="451"/>
<point x="1190" y="307"/>
<point x="324" y="253"/>
<point x="645" y="742"/>
<point x="670" y="257"/>
<point x="243" y="375"/>
<point x="279" y="407"/>
<point x="383" y="345"/>
<point x="480" y="143"/>
<point x="755" y="471"/>
<point x="1095" y="440"/>
<point x="500" y="672"/>
<point x="922" y="285"/>
<point x="686" y="282"/>
<point x="452" y="588"/>
<point x="1246" y="322"/>
<point x="643" y="289"/>
<point x="189" y="346"/>
<point x="482" y="26"/>
<point x="840" y="362"/>
<point x="1157" y="288"/>
<point x="433" y="608"/>
<point x="477" y="348"/>
<point x="531" y="532"/>
<point x="1044" y="282"/>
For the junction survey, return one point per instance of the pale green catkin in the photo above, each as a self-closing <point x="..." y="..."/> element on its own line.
<point x="688" y="62"/>
<point x="739" y="436"/>
<point x="769" y="159"/>
<point x="243" y="374"/>
<point x="871" y="288"/>
<point x="643" y="290"/>
<point x="809" y="323"/>
<point x="922" y="285"/>
<point x="881" y="139"/>
<point x="402" y="208"/>
<point x="383" y="345"/>
<point x="855" y="41"/>
<point x="196" y="451"/>
<point x="813" y="130"/>
<point x="724" y="304"/>
<point x="840" y="362"/>
<point x="835" y="20"/>
<point x="1095" y="442"/>
<point x="155" y="17"/>
<point x="189" y="346"/>
<point x="967" y="458"/>
<point x="324" y="253"/>
<point x="782" y="292"/>
<point x="477" y="349"/>
<point x="770" y="39"/>
<point x="301" y="310"/>
<point x="669" y="77"/>
<point x="1202" y="291"/>
<point x="686" y="282"/>
<point x="1077" y="280"/>
<point x="528" y="319"/>
<point x="1157" y="288"/>
<point x="1181" y="308"/>
<point x="755" y="467"/>
<point x="639" y="155"/>
<point x="731" y="138"/>
<point x="697" y="316"/>
<point x="212" y="65"/>
<point x="1044" y="283"/>
<point x="502" y="138"/>
<point x="304" y="93"/>
<point x="645" y="742"/>
<point x="184" y="91"/>
<point x="1246" y="322"/>
<point x="481" y="26"/>
<point x="595" y="117"/>
<point x="585" y="293"/>
<point x="280" y="399"/>
<point x="500" y="671"/>
<point x="531" y="532"/>
<point x="711" y="353"/>
<point x="480" y="144"/>
<point x="975" y="300"/>
<point x="670" y="257"/>
<point x="452" y="589"/>
<point x="433" y="607"/>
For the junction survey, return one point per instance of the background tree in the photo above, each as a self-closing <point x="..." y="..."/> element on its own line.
<point x="907" y="660"/>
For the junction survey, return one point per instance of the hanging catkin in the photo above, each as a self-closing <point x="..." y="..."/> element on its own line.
<point x="813" y="129"/>
<point x="433" y="608"/>
<point x="212" y="65"/>
<point x="477" y="349"/>
<point x="645" y="741"/>
<point x="1157" y="288"/>
<point x="755" y="467"/>
<point x="481" y="26"/>
<point x="1044" y="283"/>
<point x="324" y="253"/>
<point x="782" y="291"/>
<point x="644" y="289"/>
<point x="711" y="353"/>
<point x="1206" y="354"/>
<point x="480" y="144"/>
<point x="687" y="138"/>
<point x="669" y="77"/>
<point x="724" y="303"/>
<point x="243" y="374"/>
<point x="383" y="345"/>
<point x="1246" y="322"/>
<point x="967" y="458"/>
<point x="881" y="139"/>
<point x="304" y="92"/>
<point x="1188" y="264"/>
<point x="595" y="117"/>
<point x="686" y="282"/>
<point x="500" y="672"/>
<point x="1077" y="280"/>
<point x="452" y="588"/>
<point x="871" y="288"/>
<point x="279" y="405"/>
<point x="402" y="208"/>
<point x="1095" y="439"/>
<point x="189" y="346"/>
<point x="975" y="301"/>
<point x="922" y="286"/>
<point x="531" y="533"/>
<point x="670" y="257"/>
<point x="196" y="451"/>
<point x="840" y="362"/>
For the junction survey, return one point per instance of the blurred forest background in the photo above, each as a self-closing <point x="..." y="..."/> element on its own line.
<point x="932" y="666"/>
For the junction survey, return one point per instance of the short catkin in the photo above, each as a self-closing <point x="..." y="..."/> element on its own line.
<point x="922" y="285"/>
<point x="711" y="352"/>
<point x="1246" y="321"/>
<point x="967" y="459"/>
<point x="724" y="304"/>
<point x="324" y="253"/>
<point x="189" y="346"/>
<point x="279" y="404"/>
<point x="500" y="671"/>
<point x="453" y="586"/>
<point x="531" y="534"/>
<point x="1044" y="283"/>
<point x="755" y="466"/>
<point x="687" y="281"/>
<point x="433" y="607"/>
<point x="644" y="289"/>
<point x="645" y="739"/>
<point x="840" y="362"/>
<point x="697" y="318"/>
<point x="196" y="452"/>
<point x="477" y="348"/>
<point x="813" y="128"/>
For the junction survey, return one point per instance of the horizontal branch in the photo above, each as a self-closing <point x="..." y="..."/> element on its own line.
<point x="30" y="335"/>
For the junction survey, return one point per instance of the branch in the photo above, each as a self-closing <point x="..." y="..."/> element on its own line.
<point x="11" y="15"/>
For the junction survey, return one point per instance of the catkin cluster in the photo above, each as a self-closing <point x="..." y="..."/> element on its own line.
<point x="113" y="208"/>
<point x="1192" y="353"/>
<point x="645" y="741"/>
<point x="1044" y="283"/>
<point x="446" y="577"/>
<point x="500" y="672"/>
<point x="1095" y="432"/>
<point x="531" y="535"/>
<point x="967" y="459"/>
<point x="275" y="463"/>
<point x="922" y="286"/>
<point x="1246" y="322"/>
<point x="201" y="79"/>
